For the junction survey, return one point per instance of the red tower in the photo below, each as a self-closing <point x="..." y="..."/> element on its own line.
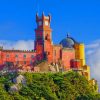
<point x="43" y="41"/>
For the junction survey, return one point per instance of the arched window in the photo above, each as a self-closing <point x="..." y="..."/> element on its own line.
<point x="48" y="53"/>
<point x="16" y="56"/>
<point x="7" y="55"/>
<point x="46" y="37"/>
<point x="24" y="56"/>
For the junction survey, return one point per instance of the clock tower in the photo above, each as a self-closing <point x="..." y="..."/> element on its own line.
<point x="43" y="38"/>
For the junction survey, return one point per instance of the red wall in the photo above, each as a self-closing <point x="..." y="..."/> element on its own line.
<point x="67" y="56"/>
<point x="56" y="53"/>
<point x="48" y="48"/>
<point x="12" y="56"/>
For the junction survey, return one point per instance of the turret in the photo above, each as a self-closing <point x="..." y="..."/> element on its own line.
<point x="80" y="53"/>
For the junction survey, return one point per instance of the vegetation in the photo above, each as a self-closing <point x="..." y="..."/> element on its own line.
<point x="49" y="86"/>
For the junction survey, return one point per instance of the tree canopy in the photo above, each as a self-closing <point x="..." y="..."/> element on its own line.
<point x="49" y="86"/>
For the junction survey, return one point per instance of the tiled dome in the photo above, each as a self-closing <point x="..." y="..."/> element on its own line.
<point x="68" y="42"/>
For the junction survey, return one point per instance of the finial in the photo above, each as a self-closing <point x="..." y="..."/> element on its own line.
<point x="37" y="14"/>
<point x="68" y="34"/>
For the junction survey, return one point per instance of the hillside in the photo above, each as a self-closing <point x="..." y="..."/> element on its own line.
<point x="46" y="86"/>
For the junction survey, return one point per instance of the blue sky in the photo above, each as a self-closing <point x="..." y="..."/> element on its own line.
<point x="81" y="18"/>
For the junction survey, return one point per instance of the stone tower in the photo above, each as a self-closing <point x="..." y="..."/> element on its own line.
<point x="43" y="40"/>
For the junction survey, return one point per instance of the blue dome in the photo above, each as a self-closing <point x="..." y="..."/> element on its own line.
<point x="68" y="42"/>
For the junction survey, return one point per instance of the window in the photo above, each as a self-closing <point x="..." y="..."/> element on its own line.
<point x="31" y="62"/>
<point x="46" y="23"/>
<point x="24" y="56"/>
<point x="24" y="62"/>
<point x="48" y="53"/>
<point x="7" y="55"/>
<point x="32" y="56"/>
<point x="46" y="37"/>
<point x="16" y="56"/>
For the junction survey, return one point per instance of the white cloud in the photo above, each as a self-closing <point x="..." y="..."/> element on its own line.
<point x="93" y="59"/>
<point x="19" y="45"/>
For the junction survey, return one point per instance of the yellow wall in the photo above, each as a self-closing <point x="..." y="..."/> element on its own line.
<point x="80" y="53"/>
<point x="86" y="70"/>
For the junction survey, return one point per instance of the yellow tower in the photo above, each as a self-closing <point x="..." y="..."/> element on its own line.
<point x="80" y="53"/>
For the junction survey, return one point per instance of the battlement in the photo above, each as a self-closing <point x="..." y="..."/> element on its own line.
<point x="43" y="17"/>
<point x="25" y="51"/>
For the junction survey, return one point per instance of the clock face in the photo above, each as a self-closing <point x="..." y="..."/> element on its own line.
<point x="46" y="23"/>
<point x="40" y="23"/>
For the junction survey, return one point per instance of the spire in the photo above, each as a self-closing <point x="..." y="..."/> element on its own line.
<point x="37" y="14"/>
<point x="42" y="13"/>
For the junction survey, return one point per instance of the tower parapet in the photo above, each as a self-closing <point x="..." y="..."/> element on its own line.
<point x="43" y="22"/>
<point x="38" y="18"/>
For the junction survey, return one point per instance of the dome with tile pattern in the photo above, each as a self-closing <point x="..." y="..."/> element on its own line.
<point x="68" y="42"/>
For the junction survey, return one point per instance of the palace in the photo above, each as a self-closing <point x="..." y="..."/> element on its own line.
<point x="67" y="55"/>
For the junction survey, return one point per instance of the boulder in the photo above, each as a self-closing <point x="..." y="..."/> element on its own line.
<point x="14" y="88"/>
<point x="20" y="79"/>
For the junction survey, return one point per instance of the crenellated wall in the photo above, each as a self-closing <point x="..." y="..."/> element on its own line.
<point x="17" y="57"/>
